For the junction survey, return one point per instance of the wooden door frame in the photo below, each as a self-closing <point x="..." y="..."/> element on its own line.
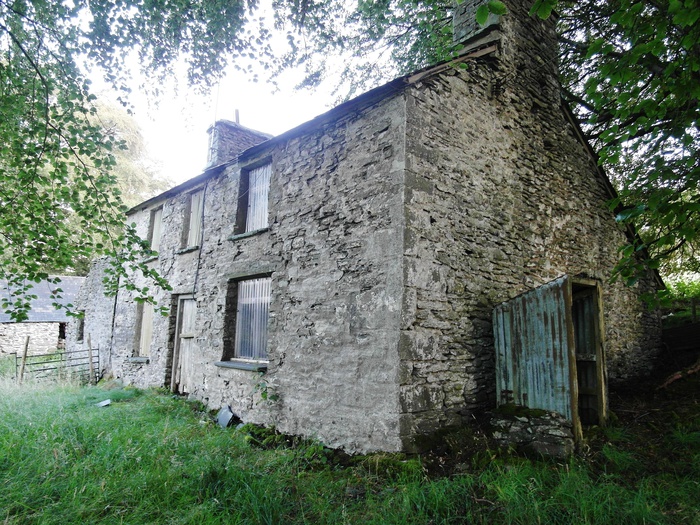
<point x="175" y="365"/>
<point x="599" y="332"/>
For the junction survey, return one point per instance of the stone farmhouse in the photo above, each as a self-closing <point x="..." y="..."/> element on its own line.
<point x="419" y="254"/>
<point x="46" y="326"/>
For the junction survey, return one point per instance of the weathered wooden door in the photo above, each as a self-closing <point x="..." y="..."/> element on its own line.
<point x="541" y="338"/>
<point x="182" y="372"/>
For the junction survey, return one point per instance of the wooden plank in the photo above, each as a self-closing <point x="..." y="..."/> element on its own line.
<point x="533" y="343"/>
<point x="91" y="366"/>
<point x="24" y="360"/>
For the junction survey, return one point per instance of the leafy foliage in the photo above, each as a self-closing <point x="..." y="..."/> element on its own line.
<point x="632" y="70"/>
<point x="59" y="196"/>
<point x="680" y="300"/>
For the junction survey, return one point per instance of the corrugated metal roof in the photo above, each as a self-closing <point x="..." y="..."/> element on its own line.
<point x="43" y="310"/>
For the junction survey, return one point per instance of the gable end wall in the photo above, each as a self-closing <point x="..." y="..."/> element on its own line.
<point x="500" y="198"/>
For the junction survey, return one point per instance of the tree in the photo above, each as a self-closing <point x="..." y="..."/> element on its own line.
<point x="135" y="174"/>
<point x="56" y="158"/>
<point x="630" y="68"/>
<point x="632" y="71"/>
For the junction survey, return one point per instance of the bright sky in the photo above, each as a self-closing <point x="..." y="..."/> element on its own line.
<point x="176" y="130"/>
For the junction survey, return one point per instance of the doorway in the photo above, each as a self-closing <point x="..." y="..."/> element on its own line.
<point x="182" y="363"/>
<point x="549" y="351"/>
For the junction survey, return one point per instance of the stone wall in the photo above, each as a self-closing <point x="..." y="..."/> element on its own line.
<point x="96" y="325"/>
<point x="43" y="337"/>
<point x="533" y="431"/>
<point x="333" y="248"/>
<point x="501" y="197"/>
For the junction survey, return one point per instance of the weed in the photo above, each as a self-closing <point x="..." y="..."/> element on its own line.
<point x="7" y="367"/>
<point x="146" y="458"/>
<point x="262" y="388"/>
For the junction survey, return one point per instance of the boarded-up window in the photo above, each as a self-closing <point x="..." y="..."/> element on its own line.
<point x="247" y="314"/>
<point x="145" y="331"/>
<point x="154" y="229"/>
<point x="192" y="231"/>
<point x="536" y="336"/>
<point x="253" y="199"/>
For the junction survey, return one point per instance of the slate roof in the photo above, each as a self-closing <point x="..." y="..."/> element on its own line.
<point x="43" y="310"/>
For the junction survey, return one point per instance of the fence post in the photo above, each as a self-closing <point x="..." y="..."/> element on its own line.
<point x="24" y="360"/>
<point x="91" y="365"/>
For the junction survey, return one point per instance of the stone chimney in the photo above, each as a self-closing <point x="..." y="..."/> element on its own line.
<point x="464" y="24"/>
<point x="229" y="139"/>
<point x="527" y="45"/>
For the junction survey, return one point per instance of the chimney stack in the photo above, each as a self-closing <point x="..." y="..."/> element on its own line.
<point x="528" y="50"/>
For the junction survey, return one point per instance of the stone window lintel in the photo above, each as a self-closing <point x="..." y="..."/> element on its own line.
<point x="138" y="360"/>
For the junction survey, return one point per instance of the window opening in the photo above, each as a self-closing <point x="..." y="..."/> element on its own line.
<point x="247" y="316"/>
<point x="253" y="199"/>
<point x="192" y="231"/>
<point x="154" y="229"/>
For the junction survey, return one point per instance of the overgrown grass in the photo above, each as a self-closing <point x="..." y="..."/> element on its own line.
<point x="151" y="458"/>
<point x="7" y="366"/>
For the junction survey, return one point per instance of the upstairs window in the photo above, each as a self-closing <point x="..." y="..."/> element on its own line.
<point x="154" y="228"/>
<point x="192" y="230"/>
<point x="247" y="314"/>
<point x="253" y="199"/>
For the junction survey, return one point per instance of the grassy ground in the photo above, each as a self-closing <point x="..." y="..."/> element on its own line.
<point x="151" y="458"/>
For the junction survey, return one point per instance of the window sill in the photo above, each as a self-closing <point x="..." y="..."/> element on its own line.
<point x="243" y="365"/>
<point x="141" y="360"/>
<point x="188" y="249"/>
<point x="237" y="236"/>
<point x="150" y="259"/>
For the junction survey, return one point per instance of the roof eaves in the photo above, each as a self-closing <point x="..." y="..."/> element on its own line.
<point x="630" y="230"/>
<point x="190" y="183"/>
<point x="355" y="104"/>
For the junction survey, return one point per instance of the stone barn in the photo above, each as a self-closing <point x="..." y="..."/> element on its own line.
<point x="405" y="261"/>
<point x="46" y="325"/>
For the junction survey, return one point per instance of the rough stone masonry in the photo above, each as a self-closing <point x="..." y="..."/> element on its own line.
<point x="397" y="222"/>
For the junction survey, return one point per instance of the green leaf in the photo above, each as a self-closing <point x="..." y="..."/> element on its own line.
<point x="482" y="14"/>
<point x="497" y="7"/>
